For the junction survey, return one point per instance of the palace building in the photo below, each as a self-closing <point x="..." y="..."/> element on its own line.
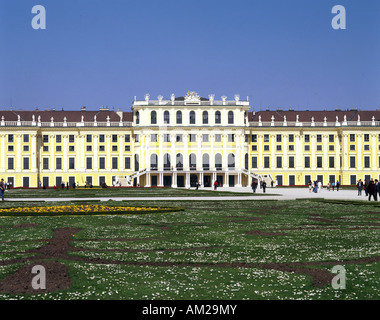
<point x="180" y="141"/>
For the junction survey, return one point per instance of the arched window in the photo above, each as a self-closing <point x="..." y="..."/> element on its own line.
<point x="218" y="161"/>
<point x="179" y="117"/>
<point x="167" y="161"/>
<point x="192" y="117"/>
<point x="231" y="161"/>
<point x="153" y="161"/>
<point x="218" y="118"/>
<point x="166" y="117"/>
<point x="153" y="117"/>
<point x="179" y="161"/>
<point x="205" y="117"/>
<point x="137" y="166"/>
<point x="206" y="161"/>
<point x="192" y="161"/>
<point x="137" y="117"/>
<point x="230" y="117"/>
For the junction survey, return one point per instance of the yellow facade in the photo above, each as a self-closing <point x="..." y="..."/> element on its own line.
<point x="181" y="141"/>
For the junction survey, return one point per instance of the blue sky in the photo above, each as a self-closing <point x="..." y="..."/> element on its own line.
<point x="282" y="54"/>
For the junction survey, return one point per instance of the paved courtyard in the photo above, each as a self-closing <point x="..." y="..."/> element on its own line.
<point x="272" y="193"/>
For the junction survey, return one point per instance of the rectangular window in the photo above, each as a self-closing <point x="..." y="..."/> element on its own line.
<point x="25" y="182"/>
<point x="26" y="163"/>
<point x="166" y="137"/>
<point x="71" y="148"/>
<point x="114" y="162"/>
<point x="292" y="180"/>
<point x="25" y="148"/>
<point x="319" y="138"/>
<point x="279" y="147"/>
<point x="137" y="138"/>
<point x="254" y="138"/>
<point x="279" y="162"/>
<point x="89" y="148"/>
<point x="58" y="138"/>
<point x="101" y="138"/>
<point x="71" y="138"/>
<point x="353" y="180"/>
<point x="127" y="148"/>
<point x="71" y="163"/>
<point x="352" y="147"/>
<point x="178" y="138"/>
<point x="192" y="137"/>
<point x="366" y="162"/>
<point x="205" y="138"/>
<point x="10" y="163"/>
<point x="58" y="148"/>
<point x="331" y="147"/>
<point x="331" y="138"/>
<point x="266" y="147"/>
<point x="10" y="148"/>
<point x="307" y="179"/>
<point x="26" y="138"/>
<point x="89" y="163"/>
<point x="331" y="162"/>
<point x="153" y="137"/>
<point x="127" y="138"/>
<point x="254" y="162"/>
<point x="319" y="162"/>
<point x="45" y="163"/>
<point x="102" y="148"/>
<point x="114" y="148"/>
<point x="291" y="162"/>
<point x="218" y="138"/>
<point x="366" y="137"/>
<point x="10" y="138"/>
<point x="89" y="138"/>
<point x="114" y="138"/>
<point x="352" y="162"/>
<point x="58" y="181"/>
<point x="307" y="162"/>
<point x="58" y="163"/>
<point x="366" y="147"/>
<point x="45" y="148"/>
<point x="231" y="137"/>
<point x="307" y="138"/>
<point x="45" y="138"/>
<point x="266" y="162"/>
<point x="266" y="137"/>
<point x="319" y="147"/>
<point x="291" y="147"/>
<point x="278" y="138"/>
<point x="102" y="162"/>
<point x="127" y="162"/>
<point x="352" y="137"/>
<point x="291" y="137"/>
<point x="307" y="148"/>
<point x="254" y="148"/>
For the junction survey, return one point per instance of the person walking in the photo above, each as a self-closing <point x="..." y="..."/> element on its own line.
<point x="2" y="189"/>
<point x="371" y="191"/>
<point x="319" y="184"/>
<point x="333" y="185"/>
<point x="254" y="186"/>
<point x="310" y="186"/>
<point x="359" y="185"/>
<point x="264" y="186"/>
<point x="366" y="183"/>
<point x="215" y="185"/>
<point x="337" y="185"/>
<point x="377" y="187"/>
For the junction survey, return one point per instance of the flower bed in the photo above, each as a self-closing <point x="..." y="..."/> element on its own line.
<point x="85" y="209"/>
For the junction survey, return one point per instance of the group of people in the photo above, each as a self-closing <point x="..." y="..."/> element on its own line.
<point x="317" y="186"/>
<point x="255" y="184"/>
<point x="371" y="188"/>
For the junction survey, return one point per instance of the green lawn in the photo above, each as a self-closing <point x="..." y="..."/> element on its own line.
<point x="121" y="192"/>
<point x="247" y="249"/>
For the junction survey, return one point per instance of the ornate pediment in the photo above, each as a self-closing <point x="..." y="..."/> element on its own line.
<point x="192" y="98"/>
